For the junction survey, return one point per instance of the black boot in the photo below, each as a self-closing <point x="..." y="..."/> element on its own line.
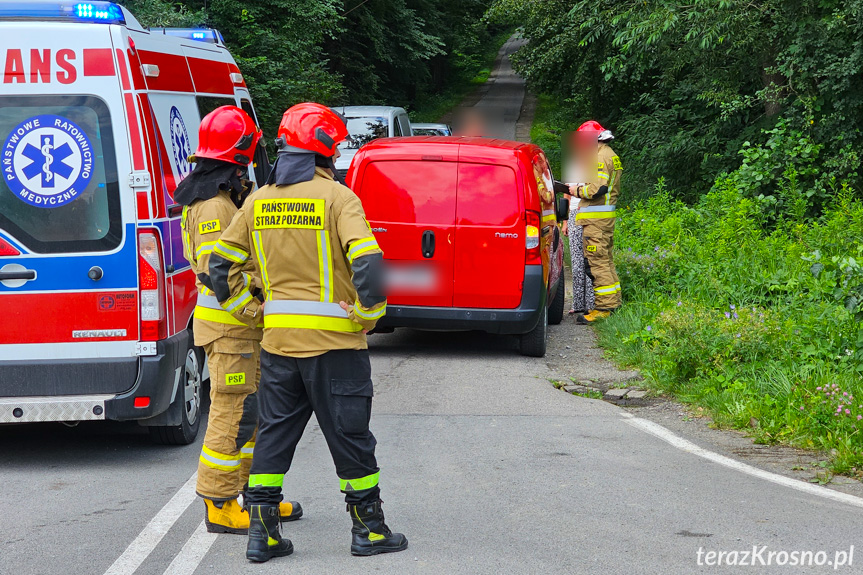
<point x="265" y="540"/>
<point x="370" y="534"/>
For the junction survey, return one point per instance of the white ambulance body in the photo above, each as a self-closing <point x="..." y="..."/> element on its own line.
<point x="98" y="117"/>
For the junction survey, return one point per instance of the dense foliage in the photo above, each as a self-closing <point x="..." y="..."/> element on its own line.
<point x="740" y="234"/>
<point x="340" y="52"/>
<point x="686" y="85"/>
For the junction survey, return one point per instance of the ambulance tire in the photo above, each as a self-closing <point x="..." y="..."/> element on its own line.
<point x="555" y="312"/>
<point x="191" y="412"/>
<point x="535" y="342"/>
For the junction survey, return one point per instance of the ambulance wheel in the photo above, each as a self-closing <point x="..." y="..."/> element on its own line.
<point x="555" y="312"/>
<point x="534" y="342"/>
<point x="191" y="410"/>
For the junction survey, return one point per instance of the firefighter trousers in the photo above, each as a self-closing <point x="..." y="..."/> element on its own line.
<point x="226" y="457"/>
<point x="598" y="251"/>
<point x="337" y="387"/>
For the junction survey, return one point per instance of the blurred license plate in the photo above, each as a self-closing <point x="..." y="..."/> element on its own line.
<point x="401" y="278"/>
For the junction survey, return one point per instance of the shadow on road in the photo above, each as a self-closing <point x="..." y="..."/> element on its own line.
<point x="449" y="344"/>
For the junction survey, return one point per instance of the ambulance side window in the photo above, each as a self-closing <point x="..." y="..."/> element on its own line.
<point x="261" y="162"/>
<point x="207" y="104"/>
<point x="60" y="187"/>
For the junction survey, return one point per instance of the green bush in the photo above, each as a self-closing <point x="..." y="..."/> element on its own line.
<point x="750" y="302"/>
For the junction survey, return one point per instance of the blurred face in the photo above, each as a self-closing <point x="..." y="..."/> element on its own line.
<point x="337" y="155"/>
<point x="581" y="157"/>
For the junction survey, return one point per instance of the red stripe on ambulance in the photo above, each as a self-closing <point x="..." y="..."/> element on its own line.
<point x="173" y="72"/>
<point x="87" y="312"/>
<point x="98" y="62"/>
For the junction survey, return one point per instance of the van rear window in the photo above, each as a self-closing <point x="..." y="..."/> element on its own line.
<point x="59" y="191"/>
<point x="487" y="195"/>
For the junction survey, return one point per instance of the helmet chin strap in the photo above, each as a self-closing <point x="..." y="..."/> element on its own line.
<point x="336" y="175"/>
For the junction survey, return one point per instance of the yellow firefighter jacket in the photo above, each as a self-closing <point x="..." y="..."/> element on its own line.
<point x="594" y="204"/>
<point x="202" y="223"/>
<point x="314" y="249"/>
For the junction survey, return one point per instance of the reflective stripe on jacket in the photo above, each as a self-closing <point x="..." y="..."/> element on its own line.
<point x="202" y="224"/>
<point x="314" y="249"/>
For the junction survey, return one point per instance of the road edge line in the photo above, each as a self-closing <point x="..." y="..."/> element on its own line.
<point x="146" y="541"/>
<point x="685" y="445"/>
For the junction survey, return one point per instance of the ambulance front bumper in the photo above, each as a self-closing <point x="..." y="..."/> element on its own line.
<point x="155" y="377"/>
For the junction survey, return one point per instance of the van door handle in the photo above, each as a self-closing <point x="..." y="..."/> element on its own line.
<point x="428" y="244"/>
<point x="18" y="275"/>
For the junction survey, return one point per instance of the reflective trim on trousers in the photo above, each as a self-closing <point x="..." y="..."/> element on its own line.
<point x="266" y="480"/>
<point x="360" y="484"/>
<point x="248" y="450"/>
<point x="607" y="290"/>
<point x="218" y="460"/>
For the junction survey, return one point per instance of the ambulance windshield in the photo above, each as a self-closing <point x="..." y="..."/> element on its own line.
<point x="59" y="190"/>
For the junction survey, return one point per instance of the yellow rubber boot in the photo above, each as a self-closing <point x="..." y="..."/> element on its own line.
<point x="226" y="517"/>
<point x="290" y="510"/>
<point x="596" y="314"/>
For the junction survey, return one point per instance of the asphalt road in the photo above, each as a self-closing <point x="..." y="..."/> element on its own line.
<point x="485" y="466"/>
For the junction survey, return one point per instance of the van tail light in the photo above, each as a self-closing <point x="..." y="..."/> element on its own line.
<point x="531" y="238"/>
<point x="7" y="249"/>
<point x="151" y="281"/>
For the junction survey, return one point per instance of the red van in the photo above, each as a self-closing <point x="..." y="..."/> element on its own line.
<point x="469" y="231"/>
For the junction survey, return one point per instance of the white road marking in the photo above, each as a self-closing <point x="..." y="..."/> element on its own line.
<point x="139" y="549"/>
<point x="684" y="445"/>
<point x="192" y="553"/>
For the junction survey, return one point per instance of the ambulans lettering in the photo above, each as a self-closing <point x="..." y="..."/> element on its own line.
<point x="47" y="161"/>
<point x="211" y="226"/>
<point x="180" y="143"/>
<point x="295" y="213"/>
<point x="41" y="66"/>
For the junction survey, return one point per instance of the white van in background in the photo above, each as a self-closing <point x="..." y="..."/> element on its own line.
<point x="367" y="123"/>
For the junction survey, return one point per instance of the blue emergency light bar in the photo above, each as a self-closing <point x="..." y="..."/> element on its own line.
<point x="83" y="12"/>
<point x="208" y="35"/>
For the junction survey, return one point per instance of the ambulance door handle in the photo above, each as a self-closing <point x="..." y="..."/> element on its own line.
<point x="428" y="244"/>
<point x="18" y="275"/>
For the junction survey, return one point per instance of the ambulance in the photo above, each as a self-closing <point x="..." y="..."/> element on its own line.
<point x="98" y="118"/>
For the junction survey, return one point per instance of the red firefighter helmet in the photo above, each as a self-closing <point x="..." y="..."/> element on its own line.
<point x="312" y="127"/>
<point x="228" y="134"/>
<point x="594" y="127"/>
<point x="591" y="126"/>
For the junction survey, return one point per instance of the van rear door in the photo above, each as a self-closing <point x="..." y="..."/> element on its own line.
<point x="489" y="236"/>
<point x="410" y="201"/>
<point x="68" y="246"/>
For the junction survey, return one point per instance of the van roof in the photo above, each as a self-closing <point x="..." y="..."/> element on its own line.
<point x="358" y="111"/>
<point x="413" y="141"/>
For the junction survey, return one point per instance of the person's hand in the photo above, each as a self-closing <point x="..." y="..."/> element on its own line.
<point x="565" y="228"/>
<point x="573" y="189"/>
<point x="347" y="307"/>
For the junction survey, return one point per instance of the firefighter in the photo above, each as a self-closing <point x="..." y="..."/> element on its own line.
<point x="321" y="272"/>
<point x="596" y="215"/>
<point x="211" y="195"/>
